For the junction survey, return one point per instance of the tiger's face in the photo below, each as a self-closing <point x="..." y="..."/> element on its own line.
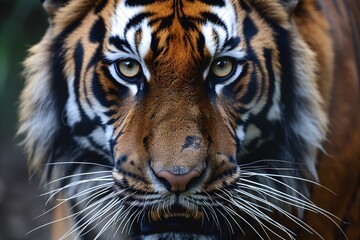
<point x="176" y="119"/>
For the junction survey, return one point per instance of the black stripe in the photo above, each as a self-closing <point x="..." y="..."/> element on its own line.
<point x="110" y="113"/>
<point x="214" y="18"/>
<point x="271" y="79"/>
<point x="218" y="3"/>
<point x="250" y="29"/>
<point x="135" y="3"/>
<point x="225" y="174"/>
<point x="154" y="45"/>
<point x="132" y="175"/>
<point x="100" y="6"/>
<point x="231" y="43"/>
<point x="136" y="20"/>
<point x="244" y="6"/>
<point x="98" y="31"/>
<point x="200" y="42"/>
<point x="165" y="22"/>
<point x="121" y="132"/>
<point x="78" y="59"/>
<point x="120" y="44"/>
<point x="97" y="35"/>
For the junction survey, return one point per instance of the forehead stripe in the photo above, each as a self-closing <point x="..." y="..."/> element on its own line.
<point x="218" y="3"/>
<point x="136" y="21"/>
<point x="135" y="3"/>
<point x="214" y="19"/>
<point x="120" y="44"/>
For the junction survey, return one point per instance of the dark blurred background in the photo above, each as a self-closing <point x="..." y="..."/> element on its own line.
<point x="22" y="23"/>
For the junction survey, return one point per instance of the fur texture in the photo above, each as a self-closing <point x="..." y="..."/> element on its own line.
<point x="180" y="151"/>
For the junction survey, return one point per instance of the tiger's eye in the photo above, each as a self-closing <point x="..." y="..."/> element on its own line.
<point x="222" y="67"/>
<point x="128" y="68"/>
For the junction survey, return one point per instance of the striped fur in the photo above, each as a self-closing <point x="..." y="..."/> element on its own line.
<point x="257" y="138"/>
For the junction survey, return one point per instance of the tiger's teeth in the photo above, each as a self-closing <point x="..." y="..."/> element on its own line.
<point x="159" y="215"/>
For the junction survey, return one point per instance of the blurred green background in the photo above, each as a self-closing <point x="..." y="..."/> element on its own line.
<point x="22" y="23"/>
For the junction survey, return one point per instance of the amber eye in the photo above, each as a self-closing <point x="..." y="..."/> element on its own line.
<point x="128" y="68"/>
<point x="222" y="67"/>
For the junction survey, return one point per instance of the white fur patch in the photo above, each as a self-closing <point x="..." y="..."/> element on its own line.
<point x="72" y="108"/>
<point x="252" y="132"/>
<point x="275" y="111"/>
<point x="121" y="18"/>
<point x="240" y="134"/>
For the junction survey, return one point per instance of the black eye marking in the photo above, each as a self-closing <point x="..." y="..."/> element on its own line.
<point x="192" y="142"/>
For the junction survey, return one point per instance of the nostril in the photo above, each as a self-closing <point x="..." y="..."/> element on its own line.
<point x="165" y="182"/>
<point x="177" y="182"/>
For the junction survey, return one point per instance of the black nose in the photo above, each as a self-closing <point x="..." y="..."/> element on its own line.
<point x="177" y="182"/>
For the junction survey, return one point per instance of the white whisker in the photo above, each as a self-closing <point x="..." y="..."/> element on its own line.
<point x="80" y="163"/>
<point x="285" y="213"/>
<point x="98" y="214"/>
<point x="78" y="174"/>
<point x="238" y="215"/>
<point x="67" y="199"/>
<point x="270" y="176"/>
<point x="54" y="192"/>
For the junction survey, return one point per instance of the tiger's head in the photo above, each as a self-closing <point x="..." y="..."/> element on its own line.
<point x="174" y="119"/>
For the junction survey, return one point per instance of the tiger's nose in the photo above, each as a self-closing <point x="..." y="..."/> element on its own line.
<point x="177" y="182"/>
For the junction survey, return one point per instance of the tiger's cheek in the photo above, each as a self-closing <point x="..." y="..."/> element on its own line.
<point x="129" y="154"/>
<point x="222" y="165"/>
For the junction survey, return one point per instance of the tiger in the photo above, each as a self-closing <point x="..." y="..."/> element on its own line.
<point x="207" y="120"/>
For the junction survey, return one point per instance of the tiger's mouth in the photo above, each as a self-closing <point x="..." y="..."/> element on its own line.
<point x="177" y="219"/>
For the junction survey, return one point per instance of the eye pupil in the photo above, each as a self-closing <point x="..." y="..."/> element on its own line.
<point x="221" y="64"/>
<point x="128" y="64"/>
